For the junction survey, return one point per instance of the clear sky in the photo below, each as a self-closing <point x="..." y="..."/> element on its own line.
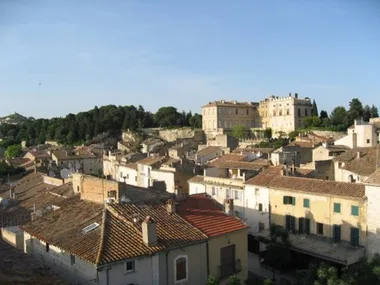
<point x="185" y="53"/>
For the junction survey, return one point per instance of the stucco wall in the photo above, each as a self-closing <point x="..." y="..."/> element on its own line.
<point x="252" y="214"/>
<point x="373" y="221"/>
<point x="321" y="153"/>
<point x="13" y="236"/>
<point x="322" y="211"/>
<point x="196" y="188"/>
<point x="184" y="133"/>
<point x="60" y="261"/>
<point x="350" y="141"/>
<point x="240" y="240"/>
<point x="324" y="169"/>
<point x="130" y="175"/>
<point x="52" y="180"/>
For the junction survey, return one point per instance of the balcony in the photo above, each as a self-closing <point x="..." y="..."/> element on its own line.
<point x="226" y="270"/>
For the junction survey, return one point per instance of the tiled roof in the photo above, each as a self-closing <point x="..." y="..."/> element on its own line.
<point x="207" y="215"/>
<point x="208" y="150"/>
<point x="131" y="165"/>
<point x="233" y="157"/>
<point x="365" y="165"/>
<point x="63" y="154"/>
<point x="254" y="149"/>
<point x="316" y="186"/>
<point x="264" y="177"/>
<point x="118" y="236"/>
<point x="337" y="148"/>
<point x="152" y="160"/>
<point x="20" y="162"/>
<point x="374" y="179"/>
<point x="254" y="165"/>
<point x="196" y="179"/>
<point x="301" y="144"/>
<point x="40" y="154"/>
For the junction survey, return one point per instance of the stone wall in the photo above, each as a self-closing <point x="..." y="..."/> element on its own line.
<point x="324" y="169"/>
<point x="328" y="134"/>
<point x="183" y="133"/>
<point x="52" y="180"/>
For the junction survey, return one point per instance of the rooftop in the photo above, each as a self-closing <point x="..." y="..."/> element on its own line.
<point x="254" y="149"/>
<point x="63" y="154"/>
<point x="118" y="235"/>
<point x="208" y="216"/>
<point x="224" y="103"/>
<point x="245" y="165"/>
<point x="374" y="179"/>
<point x="152" y="160"/>
<point x="208" y="150"/>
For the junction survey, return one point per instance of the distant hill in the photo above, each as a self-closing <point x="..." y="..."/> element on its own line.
<point x="14" y="119"/>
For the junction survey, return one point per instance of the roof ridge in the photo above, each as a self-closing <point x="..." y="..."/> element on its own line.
<point x="101" y="243"/>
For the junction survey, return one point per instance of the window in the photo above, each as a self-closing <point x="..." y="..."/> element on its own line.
<point x="354" y="210"/>
<point x="306" y="203"/>
<point x="260" y="207"/>
<point x="368" y="141"/>
<point x="135" y="178"/>
<point x="306" y="113"/>
<point x="301" y="225"/>
<point x="274" y="113"/>
<point x="236" y="111"/>
<point x="307" y="226"/>
<point x="280" y="113"/>
<point x="336" y="233"/>
<point x="213" y="191"/>
<point x="112" y="194"/>
<point x="319" y="229"/>
<point x="287" y="112"/>
<point x="228" y="193"/>
<point x="289" y="200"/>
<point x="290" y="223"/>
<point x="47" y="247"/>
<point x="129" y="266"/>
<point x="72" y="259"/>
<point x="261" y="226"/>
<point x="336" y="207"/>
<point x="238" y="195"/>
<point x="78" y="189"/>
<point x="247" y="111"/>
<point x="180" y="266"/>
<point x="121" y="174"/>
<point x="299" y="112"/>
<point x="257" y="191"/>
<point x="127" y="176"/>
<point x="227" y="261"/>
<point x="354" y="236"/>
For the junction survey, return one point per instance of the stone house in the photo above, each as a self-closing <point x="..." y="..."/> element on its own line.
<point x="207" y="154"/>
<point x="80" y="160"/>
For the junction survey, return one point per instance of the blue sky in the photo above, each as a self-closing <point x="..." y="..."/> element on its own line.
<point x="185" y="53"/>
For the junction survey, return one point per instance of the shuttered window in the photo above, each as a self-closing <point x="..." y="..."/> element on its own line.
<point x="290" y="223"/>
<point x="354" y="236"/>
<point x="306" y="203"/>
<point x="355" y="210"/>
<point x="307" y="226"/>
<point x="336" y="207"/>
<point x="301" y="225"/>
<point x="336" y="233"/>
<point x="289" y="200"/>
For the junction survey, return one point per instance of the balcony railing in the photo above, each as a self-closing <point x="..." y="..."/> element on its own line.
<point x="226" y="270"/>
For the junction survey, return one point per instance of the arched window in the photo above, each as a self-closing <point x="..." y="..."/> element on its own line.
<point x="180" y="268"/>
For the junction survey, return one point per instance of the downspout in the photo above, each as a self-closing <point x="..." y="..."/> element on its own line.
<point x="107" y="276"/>
<point x="167" y="267"/>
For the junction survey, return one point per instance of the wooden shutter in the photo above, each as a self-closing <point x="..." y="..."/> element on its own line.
<point x="336" y="233"/>
<point x="307" y="226"/>
<point x="354" y="236"/>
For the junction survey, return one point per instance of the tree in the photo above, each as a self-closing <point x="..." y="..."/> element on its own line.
<point x="323" y="115"/>
<point x="126" y="121"/>
<point x="355" y="111"/>
<point x="366" y="113"/>
<point x="374" y="112"/>
<point x="196" y="121"/>
<point x="13" y="151"/>
<point x="311" y="122"/>
<point x="293" y="134"/>
<point x="278" y="249"/>
<point x="167" y="117"/>
<point x="268" y="133"/>
<point x="314" y="110"/>
<point x="338" y="116"/>
<point x="211" y="280"/>
<point x="238" y="131"/>
<point x="96" y="121"/>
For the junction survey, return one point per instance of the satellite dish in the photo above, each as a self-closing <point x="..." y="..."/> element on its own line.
<point x="51" y="173"/>
<point x="65" y="173"/>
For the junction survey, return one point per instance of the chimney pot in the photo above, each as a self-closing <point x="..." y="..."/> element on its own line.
<point x="149" y="232"/>
<point x="171" y="206"/>
<point x="229" y="207"/>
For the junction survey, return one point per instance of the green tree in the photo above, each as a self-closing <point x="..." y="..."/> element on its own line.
<point x="314" y="110"/>
<point x="167" y="117"/>
<point x="234" y="280"/>
<point x="96" y="121"/>
<point x="293" y="134"/>
<point x="374" y="112"/>
<point x="238" y="131"/>
<point x="338" y="116"/>
<point x="366" y="113"/>
<point x="211" y="280"/>
<point x="126" y="121"/>
<point x="278" y="249"/>
<point x="355" y="111"/>
<point x="268" y="133"/>
<point x="311" y="122"/>
<point x="13" y="151"/>
<point x="323" y="115"/>
<point x="195" y="121"/>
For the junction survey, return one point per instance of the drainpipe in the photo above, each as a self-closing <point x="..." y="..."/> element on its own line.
<point x="167" y="267"/>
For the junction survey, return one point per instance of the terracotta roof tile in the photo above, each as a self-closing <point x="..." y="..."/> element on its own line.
<point x="118" y="236"/>
<point x="374" y="179"/>
<point x="207" y="215"/>
<point x="208" y="150"/>
<point x="131" y="165"/>
<point x="152" y="160"/>
<point x="316" y="186"/>
<point x="254" y="165"/>
<point x="364" y="165"/>
<point x="264" y="177"/>
<point x="254" y="149"/>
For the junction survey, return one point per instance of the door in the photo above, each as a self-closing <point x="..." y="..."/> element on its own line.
<point x="227" y="261"/>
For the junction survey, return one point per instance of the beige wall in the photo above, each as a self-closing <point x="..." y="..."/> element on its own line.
<point x="13" y="236"/>
<point x="321" y="153"/>
<point x="321" y="211"/>
<point x="240" y="240"/>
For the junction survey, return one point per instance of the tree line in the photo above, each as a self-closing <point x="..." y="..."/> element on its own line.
<point x="75" y="129"/>
<point x="340" y="118"/>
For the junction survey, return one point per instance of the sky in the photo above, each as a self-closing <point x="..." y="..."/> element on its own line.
<point x="185" y="53"/>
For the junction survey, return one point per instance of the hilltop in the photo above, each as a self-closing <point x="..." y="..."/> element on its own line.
<point x="14" y="119"/>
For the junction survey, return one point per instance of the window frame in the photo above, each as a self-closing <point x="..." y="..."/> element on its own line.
<point x="306" y="203"/>
<point x="260" y="207"/>
<point x="340" y="208"/>
<point x="175" y="269"/>
<point x="352" y="211"/>
<point x="126" y="271"/>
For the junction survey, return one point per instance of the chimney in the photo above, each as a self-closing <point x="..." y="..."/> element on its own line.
<point x="229" y="207"/>
<point x="11" y="192"/>
<point x="359" y="154"/>
<point x="33" y="216"/>
<point x="171" y="206"/>
<point x="283" y="172"/>
<point x="295" y="95"/>
<point x="149" y="232"/>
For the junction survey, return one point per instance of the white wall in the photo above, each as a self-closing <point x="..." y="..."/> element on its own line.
<point x="366" y="135"/>
<point x="165" y="176"/>
<point x="252" y="213"/>
<point x="343" y="175"/>
<point x="196" y="188"/>
<point x="349" y="141"/>
<point x="129" y="173"/>
<point x="373" y="221"/>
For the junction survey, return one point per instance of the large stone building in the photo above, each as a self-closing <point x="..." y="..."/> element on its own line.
<point x="281" y="114"/>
